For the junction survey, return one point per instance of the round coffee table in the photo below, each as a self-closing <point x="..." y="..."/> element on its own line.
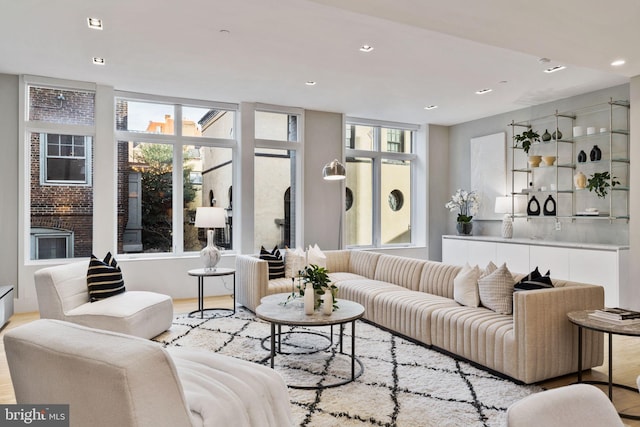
<point x="272" y="310"/>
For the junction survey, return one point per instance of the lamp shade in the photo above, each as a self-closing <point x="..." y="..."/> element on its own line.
<point x="334" y="170"/>
<point x="209" y="217"/>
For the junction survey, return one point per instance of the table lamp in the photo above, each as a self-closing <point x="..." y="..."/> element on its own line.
<point x="210" y="218"/>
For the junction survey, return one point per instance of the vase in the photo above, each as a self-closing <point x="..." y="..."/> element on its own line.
<point x="546" y="136"/>
<point x="582" y="156"/>
<point x="556" y="134"/>
<point x="533" y="207"/>
<point x="596" y="154"/>
<point x="210" y="254"/>
<point x="464" y="228"/>
<point x="309" y="299"/>
<point x="580" y="180"/>
<point x="549" y="211"/>
<point x="327" y="302"/>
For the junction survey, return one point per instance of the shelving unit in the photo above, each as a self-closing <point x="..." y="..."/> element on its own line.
<point x="557" y="181"/>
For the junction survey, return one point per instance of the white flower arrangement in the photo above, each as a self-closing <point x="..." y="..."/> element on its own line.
<point x="465" y="203"/>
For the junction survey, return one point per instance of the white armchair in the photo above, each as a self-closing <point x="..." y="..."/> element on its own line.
<point x="110" y="379"/>
<point x="581" y="405"/>
<point x="63" y="294"/>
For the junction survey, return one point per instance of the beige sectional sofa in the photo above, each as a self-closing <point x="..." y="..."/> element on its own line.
<point x="414" y="298"/>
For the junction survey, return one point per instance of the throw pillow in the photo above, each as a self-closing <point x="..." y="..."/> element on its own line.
<point x="104" y="278"/>
<point x="465" y="286"/>
<point x="490" y="268"/>
<point x="316" y="256"/>
<point x="294" y="261"/>
<point x="275" y="261"/>
<point x="529" y="285"/>
<point x="496" y="290"/>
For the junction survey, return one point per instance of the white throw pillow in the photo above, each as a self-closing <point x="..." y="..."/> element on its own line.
<point x="496" y="290"/>
<point x="316" y="256"/>
<point x="465" y="286"/>
<point x="294" y="261"/>
<point x="490" y="268"/>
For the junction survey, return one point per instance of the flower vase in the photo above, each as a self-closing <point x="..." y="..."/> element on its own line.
<point x="464" y="228"/>
<point x="309" y="299"/>
<point x="327" y="308"/>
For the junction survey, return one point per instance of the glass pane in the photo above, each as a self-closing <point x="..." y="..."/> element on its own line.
<point x="64" y="208"/>
<point x="207" y="122"/>
<point x="65" y="169"/>
<point x="276" y="126"/>
<point x="395" y="202"/>
<point x="52" y="247"/>
<point x="359" y="137"/>
<point x="144" y="117"/>
<point x="69" y="107"/>
<point x="274" y="204"/>
<point x="359" y="218"/>
<point x="208" y="175"/>
<point x="395" y="140"/>
<point x="145" y="191"/>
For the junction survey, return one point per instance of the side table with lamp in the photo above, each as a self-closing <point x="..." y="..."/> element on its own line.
<point x="211" y="218"/>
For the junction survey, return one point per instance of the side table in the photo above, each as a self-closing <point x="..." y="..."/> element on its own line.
<point x="582" y="320"/>
<point x="201" y="273"/>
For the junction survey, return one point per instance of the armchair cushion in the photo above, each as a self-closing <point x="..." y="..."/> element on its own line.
<point x="104" y="278"/>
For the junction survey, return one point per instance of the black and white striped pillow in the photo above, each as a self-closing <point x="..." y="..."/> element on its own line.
<point x="276" y="263"/>
<point x="104" y="278"/>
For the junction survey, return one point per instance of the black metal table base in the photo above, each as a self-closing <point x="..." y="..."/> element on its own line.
<point x="217" y="312"/>
<point x="227" y="311"/>
<point x="276" y="348"/>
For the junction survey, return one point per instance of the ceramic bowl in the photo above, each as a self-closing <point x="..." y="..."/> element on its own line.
<point x="549" y="160"/>
<point x="534" y="161"/>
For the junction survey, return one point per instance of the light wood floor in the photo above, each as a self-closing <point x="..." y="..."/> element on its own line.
<point x="626" y="361"/>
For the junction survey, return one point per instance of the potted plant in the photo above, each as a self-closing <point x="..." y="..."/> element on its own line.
<point x="527" y="138"/>
<point x="320" y="281"/>
<point x="600" y="182"/>
<point x="466" y="204"/>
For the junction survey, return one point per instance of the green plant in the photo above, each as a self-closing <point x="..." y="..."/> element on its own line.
<point x="600" y="182"/>
<point x="527" y="138"/>
<point x="319" y="279"/>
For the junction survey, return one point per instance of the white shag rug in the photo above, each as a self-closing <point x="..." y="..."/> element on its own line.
<point x="403" y="383"/>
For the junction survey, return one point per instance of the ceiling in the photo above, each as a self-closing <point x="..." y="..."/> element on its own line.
<point x="426" y="52"/>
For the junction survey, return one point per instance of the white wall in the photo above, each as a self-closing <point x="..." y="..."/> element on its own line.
<point x="631" y="291"/>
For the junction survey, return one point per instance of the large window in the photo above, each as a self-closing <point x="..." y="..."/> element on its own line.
<point x="379" y="183"/>
<point x="168" y="167"/>
<point x="60" y="128"/>
<point x="277" y="142"/>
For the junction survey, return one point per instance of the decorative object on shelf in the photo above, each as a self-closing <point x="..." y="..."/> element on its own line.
<point x="603" y="130"/>
<point x="527" y="138"/>
<point x="556" y="134"/>
<point x="591" y="130"/>
<point x="533" y="202"/>
<point x="596" y="154"/>
<point x="577" y="131"/>
<point x="210" y="218"/>
<point x="549" y="160"/>
<point x="580" y="180"/>
<point x="534" y="161"/>
<point x="309" y="299"/>
<point x="545" y="209"/>
<point x="582" y="156"/>
<point x="546" y="136"/>
<point x="318" y="278"/>
<point x="466" y="204"/>
<point x="600" y="182"/>
<point x="504" y="206"/>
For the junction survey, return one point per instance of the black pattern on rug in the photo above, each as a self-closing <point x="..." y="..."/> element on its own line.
<point x="403" y="384"/>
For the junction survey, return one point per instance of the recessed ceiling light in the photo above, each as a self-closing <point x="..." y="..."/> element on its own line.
<point x="310" y="83"/>
<point x="94" y="23"/>
<point x="430" y="107"/>
<point x="366" y="48"/>
<point x="483" y="91"/>
<point x="618" y="62"/>
<point x="554" y="69"/>
<point x="98" y="61"/>
<point x="544" y="60"/>
<point x="225" y="32"/>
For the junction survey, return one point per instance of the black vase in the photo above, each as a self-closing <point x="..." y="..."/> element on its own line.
<point x="582" y="156"/>
<point x="464" y="228"/>
<point x="549" y="211"/>
<point x="596" y="154"/>
<point x="546" y="136"/>
<point x="533" y="208"/>
<point x="556" y="134"/>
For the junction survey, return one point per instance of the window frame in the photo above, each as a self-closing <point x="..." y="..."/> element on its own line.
<point x="377" y="156"/>
<point x="45" y="156"/>
<point x="177" y="140"/>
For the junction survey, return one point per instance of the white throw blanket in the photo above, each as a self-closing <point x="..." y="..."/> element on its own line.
<point x="253" y="395"/>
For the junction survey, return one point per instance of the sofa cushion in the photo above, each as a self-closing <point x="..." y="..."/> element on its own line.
<point x="104" y="278"/>
<point x="315" y="256"/>
<point x="275" y="261"/>
<point x="294" y="261"/>
<point x="437" y="278"/>
<point x="496" y="290"/>
<point x="363" y="291"/>
<point x="465" y="286"/>
<point x="363" y="263"/>
<point x="400" y="271"/>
